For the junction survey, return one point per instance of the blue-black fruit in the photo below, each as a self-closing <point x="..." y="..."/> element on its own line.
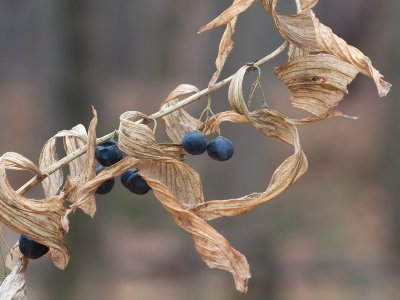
<point x="137" y="185"/>
<point x="30" y="248"/>
<point x="194" y="142"/>
<point x="107" y="185"/>
<point x="108" y="153"/>
<point x="220" y="148"/>
<point x="126" y="175"/>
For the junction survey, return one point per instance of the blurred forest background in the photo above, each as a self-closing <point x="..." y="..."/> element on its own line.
<point x="333" y="235"/>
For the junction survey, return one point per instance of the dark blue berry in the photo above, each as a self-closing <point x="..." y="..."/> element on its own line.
<point x="126" y="175"/>
<point x="137" y="185"/>
<point x="108" y="153"/>
<point x="194" y="142"/>
<point x="220" y="149"/>
<point x="30" y="248"/>
<point x="107" y="185"/>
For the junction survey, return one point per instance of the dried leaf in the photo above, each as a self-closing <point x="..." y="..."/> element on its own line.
<point x="270" y="5"/>
<point x="14" y="285"/>
<point x="229" y="14"/>
<point x="179" y="122"/>
<point x="138" y="141"/>
<point x="306" y="32"/>
<point x="48" y="157"/>
<point x="213" y="248"/>
<point x="13" y="256"/>
<point x="79" y="198"/>
<point x="296" y="52"/>
<point x="74" y="139"/>
<point x="316" y="82"/>
<point x="38" y="219"/>
<point x="270" y="123"/>
<point x="225" y="48"/>
<point x="228" y="17"/>
<point x="212" y="124"/>
<point x="178" y="187"/>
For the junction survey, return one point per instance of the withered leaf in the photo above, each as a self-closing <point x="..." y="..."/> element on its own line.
<point x="38" y="219"/>
<point x="14" y="285"/>
<point x="72" y="187"/>
<point x="179" y="122"/>
<point x="225" y="48"/>
<point x="316" y="82"/>
<point x="213" y="248"/>
<point x="229" y="14"/>
<point x="306" y="32"/>
<point x="73" y="139"/>
<point x="138" y="141"/>
<point x="270" y="123"/>
<point x="178" y="187"/>
<point x="228" y="17"/>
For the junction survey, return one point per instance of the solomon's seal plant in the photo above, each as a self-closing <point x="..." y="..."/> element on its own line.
<point x="320" y="66"/>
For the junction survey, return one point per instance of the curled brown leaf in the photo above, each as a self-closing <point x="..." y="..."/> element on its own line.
<point x="72" y="187"/>
<point x="316" y="82"/>
<point x="178" y="188"/>
<point x="270" y="123"/>
<point x="138" y="141"/>
<point x="213" y="248"/>
<point x="229" y="18"/>
<point x="179" y="122"/>
<point x="237" y="7"/>
<point x="305" y="31"/>
<point x="38" y="219"/>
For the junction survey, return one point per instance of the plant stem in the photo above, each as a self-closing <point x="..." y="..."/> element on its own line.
<point x="70" y="157"/>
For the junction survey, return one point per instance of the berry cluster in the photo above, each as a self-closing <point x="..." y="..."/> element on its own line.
<point x="106" y="154"/>
<point x="195" y="143"/>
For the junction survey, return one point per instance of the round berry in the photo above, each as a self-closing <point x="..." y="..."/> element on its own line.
<point x="126" y="175"/>
<point x="107" y="185"/>
<point x="194" y="142"/>
<point x="137" y="185"/>
<point x="108" y="153"/>
<point x="220" y="149"/>
<point x="30" y="248"/>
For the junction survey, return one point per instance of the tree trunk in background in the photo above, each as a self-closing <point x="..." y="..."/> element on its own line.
<point x="73" y="97"/>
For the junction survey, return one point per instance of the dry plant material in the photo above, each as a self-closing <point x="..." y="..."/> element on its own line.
<point x="316" y="82"/>
<point x="14" y="286"/>
<point x="320" y="66"/>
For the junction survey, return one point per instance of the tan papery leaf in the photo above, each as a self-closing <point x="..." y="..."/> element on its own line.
<point x="213" y="248"/>
<point x="13" y="256"/>
<point x="14" y="285"/>
<point x="138" y="141"/>
<point x="270" y="123"/>
<point x="316" y="82"/>
<point x="306" y="32"/>
<point x="237" y="7"/>
<point x="178" y="187"/>
<point x="38" y="219"/>
<point x="72" y="187"/>
<point x="269" y="5"/>
<point x="212" y="124"/>
<point x="179" y="122"/>
<point x="296" y="52"/>
<point x="73" y="139"/>
<point x="228" y="17"/>
<point x="225" y="48"/>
